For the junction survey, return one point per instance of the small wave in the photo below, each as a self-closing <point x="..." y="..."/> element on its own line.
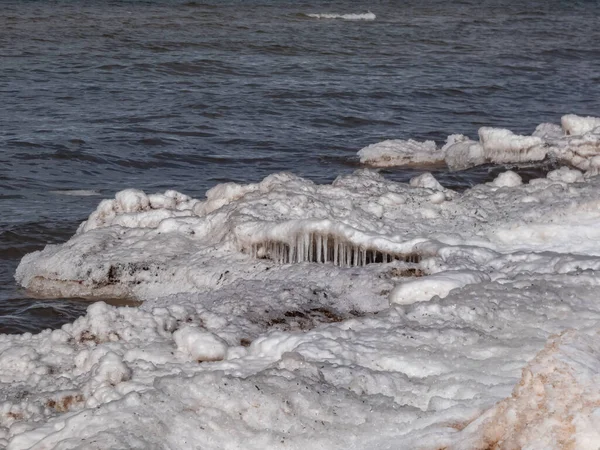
<point x="76" y="192"/>
<point x="363" y="16"/>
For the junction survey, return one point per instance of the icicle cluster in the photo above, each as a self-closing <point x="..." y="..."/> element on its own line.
<point x="325" y="248"/>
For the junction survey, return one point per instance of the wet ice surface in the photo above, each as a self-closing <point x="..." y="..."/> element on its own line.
<point x="19" y="311"/>
<point x="289" y="314"/>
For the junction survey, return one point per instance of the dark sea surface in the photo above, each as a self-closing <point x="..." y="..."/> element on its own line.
<point x="167" y="94"/>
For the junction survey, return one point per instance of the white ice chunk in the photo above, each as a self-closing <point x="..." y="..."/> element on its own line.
<point x="131" y="200"/>
<point x="508" y="179"/>
<point x="199" y="344"/>
<point x="399" y="152"/>
<point x="440" y="284"/>
<point x="427" y="181"/>
<point x="577" y="143"/>
<point x="461" y="152"/>
<point x="578" y="125"/>
<point x="548" y="131"/>
<point x="503" y="146"/>
<point x="158" y="201"/>
<point x="566" y="175"/>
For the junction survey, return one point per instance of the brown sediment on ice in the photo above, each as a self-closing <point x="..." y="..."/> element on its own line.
<point x="113" y="294"/>
<point x="556" y="403"/>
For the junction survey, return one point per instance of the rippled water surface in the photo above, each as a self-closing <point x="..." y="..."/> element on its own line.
<point x="103" y="95"/>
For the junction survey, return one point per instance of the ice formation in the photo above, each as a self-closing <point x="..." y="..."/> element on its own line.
<point x="576" y="142"/>
<point x="401" y="153"/>
<point x="285" y="314"/>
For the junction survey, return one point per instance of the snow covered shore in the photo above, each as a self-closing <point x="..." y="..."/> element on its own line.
<point x="362" y="314"/>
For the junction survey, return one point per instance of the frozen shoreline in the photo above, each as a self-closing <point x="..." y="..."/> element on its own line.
<point x="361" y="314"/>
<point x="575" y="142"/>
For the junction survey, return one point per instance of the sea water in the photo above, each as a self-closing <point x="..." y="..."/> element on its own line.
<point x="98" y="96"/>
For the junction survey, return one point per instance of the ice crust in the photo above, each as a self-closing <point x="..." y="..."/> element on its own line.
<point x="576" y="142"/>
<point x="285" y="314"/>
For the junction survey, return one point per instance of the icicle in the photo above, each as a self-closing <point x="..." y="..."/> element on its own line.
<point x="324" y="248"/>
<point x="347" y="255"/>
<point x="303" y="247"/>
<point x="306" y="247"/>
<point x="293" y="251"/>
<point x="335" y="252"/>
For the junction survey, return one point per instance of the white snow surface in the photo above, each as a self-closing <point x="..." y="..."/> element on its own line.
<point x="285" y="314"/>
<point x="575" y="142"/>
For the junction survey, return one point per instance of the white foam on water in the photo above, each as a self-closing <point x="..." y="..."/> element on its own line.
<point x="77" y="192"/>
<point x="351" y="16"/>
<point x="286" y="314"/>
